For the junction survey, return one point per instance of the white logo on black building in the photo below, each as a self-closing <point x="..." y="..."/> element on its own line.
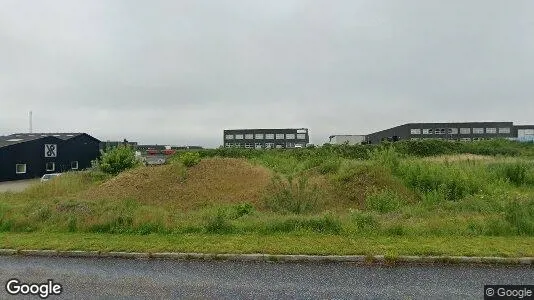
<point x="50" y="150"/>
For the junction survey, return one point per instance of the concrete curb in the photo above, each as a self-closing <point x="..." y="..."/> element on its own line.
<point x="258" y="257"/>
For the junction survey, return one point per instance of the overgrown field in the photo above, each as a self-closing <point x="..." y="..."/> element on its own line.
<point x="479" y="195"/>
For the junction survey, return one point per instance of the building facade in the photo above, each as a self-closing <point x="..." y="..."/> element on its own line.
<point x="266" y="138"/>
<point x="350" y="139"/>
<point x="461" y="131"/>
<point x="26" y="156"/>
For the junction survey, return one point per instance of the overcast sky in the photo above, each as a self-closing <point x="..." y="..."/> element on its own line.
<point x="179" y="72"/>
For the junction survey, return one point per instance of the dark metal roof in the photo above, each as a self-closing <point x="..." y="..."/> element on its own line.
<point x="16" y="138"/>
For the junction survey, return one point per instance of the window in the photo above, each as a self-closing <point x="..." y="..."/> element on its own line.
<point x="426" y="131"/>
<point x="269" y="136"/>
<point x="259" y="136"/>
<point x="301" y="136"/>
<point x="290" y="145"/>
<point x="415" y="131"/>
<point x="74" y="165"/>
<point x="290" y="136"/>
<point x="50" y="166"/>
<point x="279" y="136"/>
<point x="465" y="130"/>
<point x="237" y="145"/>
<point x="491" y="130"/>
<point x="248" y="145"/>
<point x="258" y="145"/>
<point x="431" y="131"/>
<point x="229" y="136"/>
<point x="20" y="168"/>
<point x="478" y="130"/>
<point x="440" y="130"/>
<point x="453" y="131"/>
<point x="238" y="136"/>
<point x="269" y="145"/>
<point x="504" y="130"/>
<point x="228" y="145"/>
<point x="249" y="136"/>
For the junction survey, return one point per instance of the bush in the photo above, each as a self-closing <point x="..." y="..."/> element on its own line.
<point x="292" y="197"/>
<point x="219" y="223"/>
<point x="118" y="159"/>
<point x="364" y="221"/>
<point x="189" y="159"/>
<point x="516" y="173"/>
<point x="384" y="201"/>
<point x="520" y="214"/>
<point x="451" y="181"/>
<point x="386" y="157"/>
<point x="329" y="166"/>
<point x="242" y="209"/>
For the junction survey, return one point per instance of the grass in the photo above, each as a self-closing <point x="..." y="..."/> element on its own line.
<point x="329" y="200"/>
<point x="283" y="243"/>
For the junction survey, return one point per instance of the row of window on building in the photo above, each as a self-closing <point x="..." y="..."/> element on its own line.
<point x="264" y="145"/>
<point x="266" y="136"/>
<point x="503" y="130"/>
<point x="50" y="167"/>
<point x="452" y="140"/>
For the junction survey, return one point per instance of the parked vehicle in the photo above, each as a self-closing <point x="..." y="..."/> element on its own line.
<point x="50" y="176"/>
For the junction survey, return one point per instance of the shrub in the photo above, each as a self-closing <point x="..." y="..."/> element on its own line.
<point x="189" y="159"/>
<point x="292" y="197"/>
<point x="242" y="209"/>
<point x="430" y="147"/>
<point x="384" y="201"/>
<point x="364" y="221"/>
<point x="451" y="181"/>
<point x="386" y="157"/>
<point x="219" y="223"/>
<point x="118" y="159"/>
<point x="329" y="166"/>
<point x="520" y="214"/>
<point x="516" y="172"/>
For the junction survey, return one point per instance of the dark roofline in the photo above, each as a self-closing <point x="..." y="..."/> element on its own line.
<point x="294" y="128"/>
<point x="5" y="140"/>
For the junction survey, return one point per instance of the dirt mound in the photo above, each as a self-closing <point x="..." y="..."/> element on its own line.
<point x="212" y="181"/>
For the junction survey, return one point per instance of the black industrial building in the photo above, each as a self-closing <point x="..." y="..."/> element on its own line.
<point x="463" y="131"/>
<point x="266" y="138"/>
<point x="31" y="155"/>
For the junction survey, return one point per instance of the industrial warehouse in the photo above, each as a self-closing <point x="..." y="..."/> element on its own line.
<point x="460" y="131"/>
<point x="31" y="155"/>
<point x="266" y="138"/>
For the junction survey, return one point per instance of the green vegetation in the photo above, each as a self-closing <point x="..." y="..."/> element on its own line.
<point x="189" y="159"/>
<point x="454" y="198"/>
<point x="117" y="159"/>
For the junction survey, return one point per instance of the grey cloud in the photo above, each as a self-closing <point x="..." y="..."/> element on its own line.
<point x="182" y="71"/>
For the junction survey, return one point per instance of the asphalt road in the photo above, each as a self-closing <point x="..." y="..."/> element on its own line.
<point x="111" y="278"/>
<point x="17" y="185"/>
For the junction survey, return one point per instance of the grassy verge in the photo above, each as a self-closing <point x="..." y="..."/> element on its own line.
<point x="317" y="244"/>
<point x="329" y="200"/>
